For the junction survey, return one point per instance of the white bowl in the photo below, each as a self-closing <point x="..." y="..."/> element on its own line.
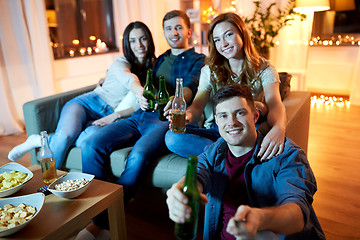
<point x="71" y="176"/>
<point x="13" y="166"/>
<point x="34" y="200"/>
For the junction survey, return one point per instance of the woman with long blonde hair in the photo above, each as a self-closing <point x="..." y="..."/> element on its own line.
<point x="232" y="59"/>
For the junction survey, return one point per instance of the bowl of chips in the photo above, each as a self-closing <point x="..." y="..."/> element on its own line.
<point x="13" y="176"/>
<point x="17" y="212"/>
<point x="71" y="185"/>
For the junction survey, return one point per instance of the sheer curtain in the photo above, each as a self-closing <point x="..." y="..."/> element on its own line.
<point x="26" y="70"/>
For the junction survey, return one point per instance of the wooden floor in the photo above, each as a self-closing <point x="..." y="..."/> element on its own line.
<point x="334" y="155"/>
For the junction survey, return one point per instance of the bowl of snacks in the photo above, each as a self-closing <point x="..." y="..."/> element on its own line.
<point x="13" y="176"/>
<point x="71" y="185"/>
<point x="17" y="212"/>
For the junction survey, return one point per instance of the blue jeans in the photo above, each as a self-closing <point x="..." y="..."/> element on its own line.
<point x="145" y="131"/>
<point x="193" y="141"/>
<point x="74" y="116"/>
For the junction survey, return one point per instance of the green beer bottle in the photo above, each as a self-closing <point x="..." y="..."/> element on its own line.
<point x="163" y="97"/>
<point x="188" y="229"/>
<point x="149" y="91"/>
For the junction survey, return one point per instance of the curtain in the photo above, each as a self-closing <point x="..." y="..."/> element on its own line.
<point x="26" y="70"/>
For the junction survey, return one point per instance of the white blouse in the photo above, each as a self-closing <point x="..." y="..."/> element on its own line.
<point x="115" y="90"/>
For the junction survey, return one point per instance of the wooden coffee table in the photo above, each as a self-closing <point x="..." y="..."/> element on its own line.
<point x="62" y="218"/>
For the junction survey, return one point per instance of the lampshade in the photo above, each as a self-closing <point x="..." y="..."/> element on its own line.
<point x="342" y="5"/>
<point x="312" y="5"/>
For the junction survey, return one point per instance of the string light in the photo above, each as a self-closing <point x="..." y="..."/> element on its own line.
<point x="339" y="40"/>
<point x="209" y="14"/>
<point x="323" y="100"/>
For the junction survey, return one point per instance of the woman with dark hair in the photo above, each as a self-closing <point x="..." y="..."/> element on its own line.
<point x="115" y="98"/>
<point x="232" y="59"/>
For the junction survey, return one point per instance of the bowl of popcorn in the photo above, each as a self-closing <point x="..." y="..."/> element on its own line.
<point x="71" y="185"/>
<point x="13" y="176"/>
<point x="17" y="212"/>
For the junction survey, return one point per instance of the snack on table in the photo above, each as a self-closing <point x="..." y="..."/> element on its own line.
<point x="12" y="179"/>
<point x="71" y="185"/>
<point x="12" y="216"/>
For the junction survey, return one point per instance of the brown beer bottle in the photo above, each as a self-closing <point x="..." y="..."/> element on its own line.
<point x="178" y="111"/>
<point x="188" y="229"/>
<point x="163" y="97"/>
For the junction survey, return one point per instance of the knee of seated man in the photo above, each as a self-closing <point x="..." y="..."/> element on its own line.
<point x="172" y="139"/>
<point x="92" y="143"/>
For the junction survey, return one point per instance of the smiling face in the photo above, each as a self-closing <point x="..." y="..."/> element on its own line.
<point x="139" y="44"/>
<point x="236" y="122"/>
<point x="227" y="40"/>
<point x="176" y="33"/>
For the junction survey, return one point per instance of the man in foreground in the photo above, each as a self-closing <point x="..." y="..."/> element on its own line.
<point x="245" y="196"/>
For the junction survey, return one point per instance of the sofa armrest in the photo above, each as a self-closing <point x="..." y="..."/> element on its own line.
<point x="43" y="114"/>
<point x="297" y="106"/>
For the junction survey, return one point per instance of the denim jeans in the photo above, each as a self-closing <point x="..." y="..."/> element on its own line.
<point x="74" y="116"/>
<point x="145" y="132"/>
<point x="193" y="141"/>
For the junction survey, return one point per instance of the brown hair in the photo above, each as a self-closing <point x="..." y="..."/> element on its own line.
<point x="220" y="65"/>
<point x="233" y="90"/>
<point x="177" y="13"/>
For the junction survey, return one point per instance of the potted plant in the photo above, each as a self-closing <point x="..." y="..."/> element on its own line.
<point x="266" y="24"/>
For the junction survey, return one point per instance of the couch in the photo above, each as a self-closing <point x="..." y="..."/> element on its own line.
<point x="43" y="114"/>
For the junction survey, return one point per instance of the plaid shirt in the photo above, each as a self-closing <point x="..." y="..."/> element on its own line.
<point x="187" y="66"/>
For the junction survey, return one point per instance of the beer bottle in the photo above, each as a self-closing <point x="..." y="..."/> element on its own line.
<point x="163" y="97"/>
<point x="47" y="160"/>
<point x="188" y="229"/>
<point x="149" y="91"/>
<point x="178" y="111"/>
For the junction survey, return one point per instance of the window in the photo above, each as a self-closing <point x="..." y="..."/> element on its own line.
<point x="80" y="27"/>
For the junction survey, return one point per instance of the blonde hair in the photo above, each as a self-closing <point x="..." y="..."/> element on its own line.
<point x="220" y="66"/>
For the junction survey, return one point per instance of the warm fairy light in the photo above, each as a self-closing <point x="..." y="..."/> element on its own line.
<point x="82" y="51"/>
<point x="72" y="53"/>
<point x="329" y="101"/>
<point x="209" y="14"/>
<point x="335" y="41"/>
<point x="277" y="43"/>
<point x="75" y="42"/>
<point x="89" y="50"/>
<point x="92" y="38"/>
<point x="195" y="42"/>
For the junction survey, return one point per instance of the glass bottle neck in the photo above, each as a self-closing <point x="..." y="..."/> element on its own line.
<point x="162" y="84"/>
<point x="179" y="89"/>
<point x="190" y="178"/>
